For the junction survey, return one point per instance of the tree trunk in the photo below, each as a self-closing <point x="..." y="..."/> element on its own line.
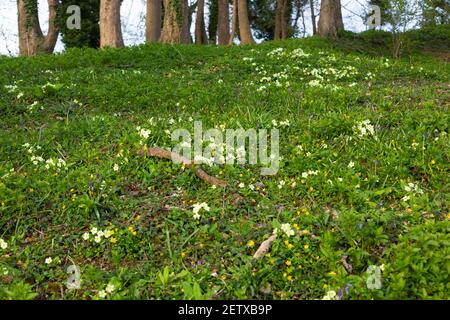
<point x="171" y="32"/>
<point x="313" y="16"/>
<point x="223" y="23"/>
<point x="330" y="20"/>
<point x="153" y="21"/>
<point x="31" y="39"/>
<point x="338" y="15"/>
<point x="234" y="22"/>
<point x="244" y="24"/>
<point x="110" y="28"/>
<point x="200" y="31"/>
<point x="280" y="20"/>
<point x="186" y="25"/>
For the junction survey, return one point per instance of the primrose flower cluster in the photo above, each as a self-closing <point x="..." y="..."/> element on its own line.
<point x="98" y="235"/>
<point x="413" y="190"/>
<point x="49" y="163"/>
<point x="197" y="207"/>
<point x="364" y="128"/>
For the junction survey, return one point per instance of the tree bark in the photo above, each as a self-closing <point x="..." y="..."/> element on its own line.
<point x="186" y="25"/>
<point x="223" y="23"/>
<point x="110" y="28"/>
<point x="171" y="32"/>
<point x="313" y="16"/>
<point x="330" y="21"/>
<point x="153" y="21"/>
<point x="244" y="24"/>
<point x="31" y="39"/>
<point x="234" y="22"/>
<point x="280" y="20"/>
<point x="200" y="31"/>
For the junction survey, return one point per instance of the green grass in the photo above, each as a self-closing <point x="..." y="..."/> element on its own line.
<point x="355" y="212"/>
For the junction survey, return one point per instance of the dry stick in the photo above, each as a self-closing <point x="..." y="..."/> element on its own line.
<point x="166" y="154"/>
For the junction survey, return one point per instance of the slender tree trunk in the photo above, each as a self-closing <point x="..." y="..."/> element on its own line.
<point x="244" y="24"/>
<point x="153" y="21"/>
<point x="200" y="31"/>
<point x="110" y="28"/>
<point x="303" y="23"/>
<point x="313" y="16"/>
<point x="338" y="15"/>
<point x="186" y="25"/>
<point x="330" y="20"/>
<point x="234" y="22"/>
<point x="278" y="20"/>
<point x="31" y="39"/>
<point x="171" y="31"/>
<point x="283" y="20"/>
<point x="223" y="23"/>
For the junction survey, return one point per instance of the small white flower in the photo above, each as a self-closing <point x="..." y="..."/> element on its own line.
<point x="241" y="185"/>
<point x="351" y="164"/>
<point x="102" y="294"/>
<point x="405" y="198"/>
<point x="97" y="239"/>
<point x="330" y="295"/>
<point x="197" y="207"/>
<point x="94" y="230"/>
<point x="110" y="288"/>
<point x="86" y="236"/>
<point x="287" y="229"/>
<point x="116" y="167"/>
<point x="3" y="244"/>
<point x="251" y="187"/>
<point x="48" y="260"/>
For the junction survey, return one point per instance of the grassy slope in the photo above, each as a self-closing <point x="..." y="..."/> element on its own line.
<point x="161" y="251"/>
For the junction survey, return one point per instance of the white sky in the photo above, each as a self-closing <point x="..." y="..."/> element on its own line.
<point x="133" y="21"/>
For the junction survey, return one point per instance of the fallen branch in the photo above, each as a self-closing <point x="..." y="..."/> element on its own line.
<point x="169" y="155"/>
<point x="264" y="247"/>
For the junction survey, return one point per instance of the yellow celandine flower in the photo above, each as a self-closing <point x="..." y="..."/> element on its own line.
<point x="433" y="161"/>
<point x="183" y="254"/>
<point x="332" y="273"/>
<point x="325" y="286"/>
<point x="113" y="240"/>
<point x="251" y="243"/>
<point x="306" y="246"/>
<point x="290" y="278"/>
<point x="131" y="229"/>
<point x="138" y="217"/>
<point x="296" y="226"/>
<point x="288" y="262"/>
